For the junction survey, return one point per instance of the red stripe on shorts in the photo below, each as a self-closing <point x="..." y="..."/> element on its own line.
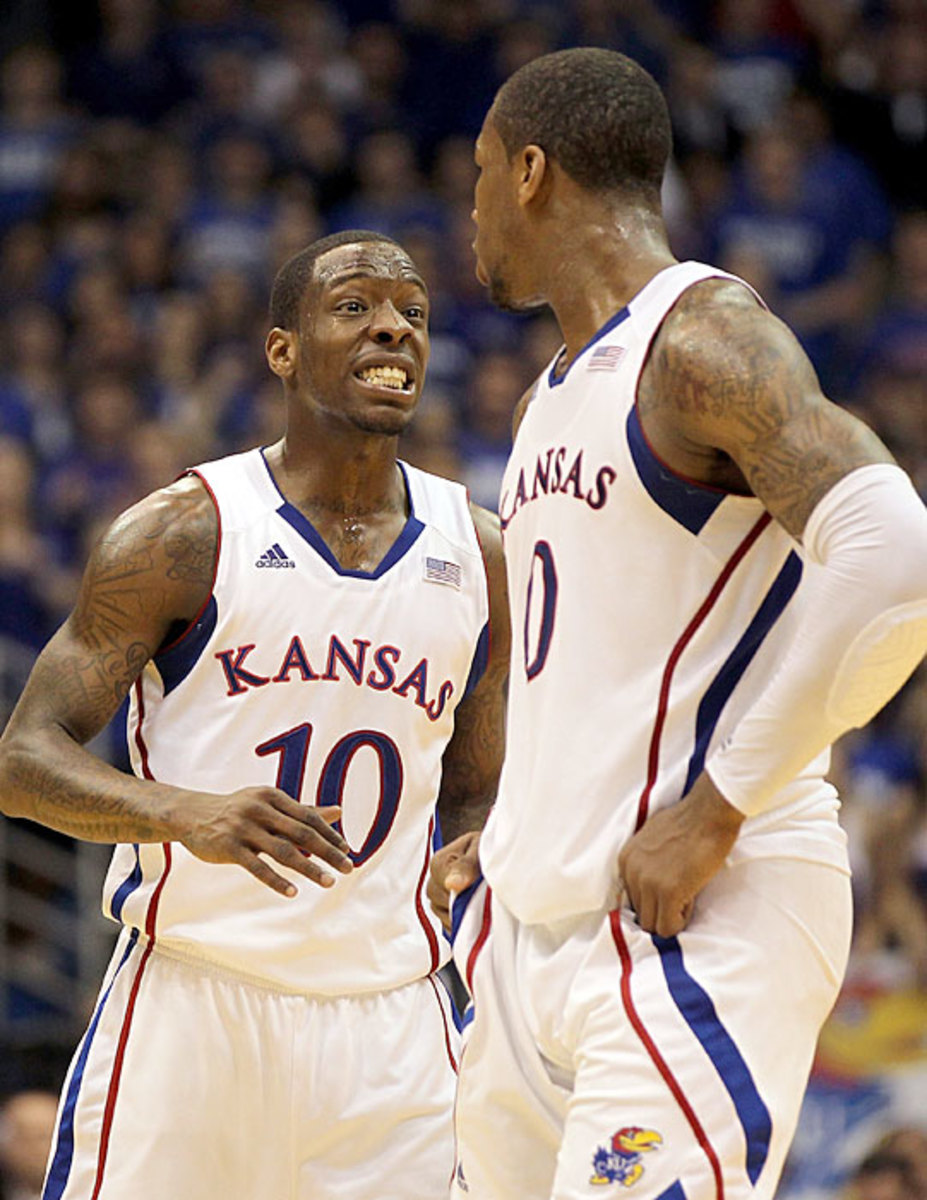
<point x="480" y="938"/>
<point x="420" y="907"/>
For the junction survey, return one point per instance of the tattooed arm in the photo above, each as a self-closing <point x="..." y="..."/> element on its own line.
<point x="729" y="398"/>
<point x="148" y="577"/>
<point x="473" y="758"/>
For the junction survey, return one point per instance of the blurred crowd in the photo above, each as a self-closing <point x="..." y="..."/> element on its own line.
<point x="160" y="159"/>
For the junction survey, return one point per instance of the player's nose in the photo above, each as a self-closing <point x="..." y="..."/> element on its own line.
<point x="389" y="325"/>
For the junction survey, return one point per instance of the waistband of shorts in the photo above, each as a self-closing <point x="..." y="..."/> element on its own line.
<point x="203" y="965"/>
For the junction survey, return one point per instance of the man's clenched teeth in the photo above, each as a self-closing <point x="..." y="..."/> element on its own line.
<point x="391" y="377"/>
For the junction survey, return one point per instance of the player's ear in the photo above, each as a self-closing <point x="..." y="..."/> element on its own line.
<point x="534" y="173"/>
<point x="280" y="351"/>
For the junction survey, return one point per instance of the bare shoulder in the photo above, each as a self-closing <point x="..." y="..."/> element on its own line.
<point x="146" y="579"/>
<point x="164" y="547"/>
<point x="726" y="377"/>
<point x="716" y="341"/>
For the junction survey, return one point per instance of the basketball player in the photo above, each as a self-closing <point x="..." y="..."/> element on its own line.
<point x="303" y="631"/>
<point x="713" y="573"/>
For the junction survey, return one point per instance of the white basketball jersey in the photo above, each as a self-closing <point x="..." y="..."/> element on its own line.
<point x="647" y="612"/>
<point x="337" y="686"/>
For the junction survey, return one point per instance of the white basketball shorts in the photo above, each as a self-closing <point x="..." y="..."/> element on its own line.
<point x="191" y="1084"/>
<point x="601" y="1062"/>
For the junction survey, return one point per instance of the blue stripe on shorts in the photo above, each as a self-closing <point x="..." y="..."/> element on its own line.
<point x="699" y="1011"/>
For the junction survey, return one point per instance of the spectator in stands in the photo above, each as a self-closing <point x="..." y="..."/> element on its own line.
<point x="32" y="383"/>
<point x="759" y="62"/>
<point x="128" y="72"/>
<point x="94" y="479"/>
<point x="701" y="120"/>
<point x="890" y="380"/>
<point x="35" y="593"/>
<point x="895" y="1170"/>
<point x="35" y="130"/>
<point x="309" y="63"/>
<point x="817" y="256"/>
<point x="315" y="145"/>
<point x="496" y="384"/>
<point x="391" y="196"/>
<point x="882" y="111"/>
<point x="229" y="224"/>
<point x="27" y="1122"/>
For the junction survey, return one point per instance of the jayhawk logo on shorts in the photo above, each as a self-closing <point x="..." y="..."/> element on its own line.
<point x="622" y="1163"/>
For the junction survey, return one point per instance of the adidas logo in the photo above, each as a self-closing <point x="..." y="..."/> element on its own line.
<point x="275" y="556"/>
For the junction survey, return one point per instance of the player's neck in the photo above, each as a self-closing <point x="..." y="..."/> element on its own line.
<point x="598" y="268"/>
<point x="365" y="483"/>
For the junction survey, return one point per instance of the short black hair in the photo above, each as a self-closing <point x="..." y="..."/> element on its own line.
<point x="296" y="273"/>
<point x="598" y="113"/>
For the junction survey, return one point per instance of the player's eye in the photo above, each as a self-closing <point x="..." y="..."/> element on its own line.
<point x="415" y="312"/>
<point x="350" y="306"/>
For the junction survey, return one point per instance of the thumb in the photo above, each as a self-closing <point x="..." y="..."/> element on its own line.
<point x="460" y="875"/>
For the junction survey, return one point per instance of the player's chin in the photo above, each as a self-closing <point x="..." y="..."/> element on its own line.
<point x="386" y="420"/>
<point x="503" y="297"/>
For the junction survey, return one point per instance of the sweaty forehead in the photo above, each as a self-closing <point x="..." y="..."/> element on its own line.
<point x="378" y="260"/>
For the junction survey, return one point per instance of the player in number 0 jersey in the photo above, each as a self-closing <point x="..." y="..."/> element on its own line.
<point x="304" y="634"/>
<point x="713" y="573"/>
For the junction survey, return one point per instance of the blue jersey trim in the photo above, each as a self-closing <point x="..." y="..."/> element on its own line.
<point x="126" y="888"/>
<point x="722" y="686"/>
<point x="480" y="659"/>
<point x="699" y="1011"/>
<point x="176" y="663"/>
<point x="686" y="501"/>
<point x="437" y="838"/>
<point x="306" y="530"/>
<point x="461" y="904"/>
<point x="60" y="1167"/>
<point x="673" y="1192"/>
<point x="554" y="380"/>
<point x="410" y="533"/>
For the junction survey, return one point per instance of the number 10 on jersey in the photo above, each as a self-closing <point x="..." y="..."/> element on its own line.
<point x="293" y="748"/>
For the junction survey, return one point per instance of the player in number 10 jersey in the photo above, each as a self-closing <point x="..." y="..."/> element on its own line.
<point x="304" y="634"/>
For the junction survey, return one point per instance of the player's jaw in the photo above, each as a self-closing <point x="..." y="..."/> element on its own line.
<point x="497" y="274"/>
<point x="502" y="291"/>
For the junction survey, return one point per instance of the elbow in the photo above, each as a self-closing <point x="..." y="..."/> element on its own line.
<point x="910" y="555"/>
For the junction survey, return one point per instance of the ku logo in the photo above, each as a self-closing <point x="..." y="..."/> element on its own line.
<point x="622" y="1163"/>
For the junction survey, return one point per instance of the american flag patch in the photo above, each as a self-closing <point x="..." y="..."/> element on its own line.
<point x="437" y="570"/>
<point x="606" y="358"/>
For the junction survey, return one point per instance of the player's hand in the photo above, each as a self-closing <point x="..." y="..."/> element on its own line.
<point x="673" y="856"/>
<point x="453" y="868"/>
<point x="257" y="823"/>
